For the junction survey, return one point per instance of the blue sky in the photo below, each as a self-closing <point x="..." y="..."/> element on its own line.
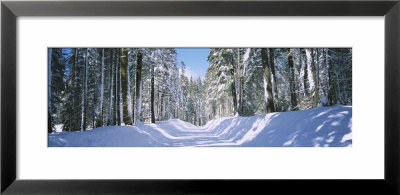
<point x="195" y="60"/>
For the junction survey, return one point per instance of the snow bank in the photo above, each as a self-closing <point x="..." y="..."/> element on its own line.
<point x="319" y="127"/>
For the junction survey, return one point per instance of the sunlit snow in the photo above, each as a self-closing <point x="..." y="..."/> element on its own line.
<point x="318" y="127"/>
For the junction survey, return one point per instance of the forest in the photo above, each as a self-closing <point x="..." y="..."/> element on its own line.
<point x="95" y="87"/>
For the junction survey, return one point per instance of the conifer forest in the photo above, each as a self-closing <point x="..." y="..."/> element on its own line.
<point x="247" y="97"/>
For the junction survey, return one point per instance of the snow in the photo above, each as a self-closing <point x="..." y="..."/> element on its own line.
<point x="58" y="127"/>
<point x="246" y="58"/>
<point x="323" y="102"/>
<point x="265" y="90"/>
<point x="221" y="87"/>
<point x="309" y="69"/>
<point x="318" y="127"/>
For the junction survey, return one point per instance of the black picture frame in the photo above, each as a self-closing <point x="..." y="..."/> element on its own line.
<point x="10" y="10"/>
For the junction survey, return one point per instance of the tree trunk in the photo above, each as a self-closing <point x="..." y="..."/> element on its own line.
<point x="315" y="79"/>
<point x="139" y="87"/>
<point x="317" y="63"/>
<point x="86" y="88"/>
<point x="124" y="86"/>
<point x="233" y="90"/>
<point x="129" y="100"/>
<point x="293" y="99"/>
<point x="50" y="74"/>
<point x="76" y="93"/>
<point x="306" y="81"/>
<point x="115" y="94"/>
<point x="84" y="92"/>
<point x="267" y="82"/>
<point x="93" y="103"/>
<point x="118" y="88"/>
<point x="162" y="107"/>
<point x="94" y="110"/>
<point x="275" y="85"/>
<point x="194" y="118"/>
<point x="331" y="82"/>
<point x="73" y="85"/>
<point x="133" y="101"/>
<point x="302" y="83"/>
<point x="239" y="80"/>
<point x="111" y="90"/>
<point x="101" y="90"/>
<point x="326" y="80"/>
<point x="153" y="120"/>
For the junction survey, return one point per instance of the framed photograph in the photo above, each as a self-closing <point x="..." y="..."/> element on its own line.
<point x="199" y="97"/>
<point x="204" y="97"/>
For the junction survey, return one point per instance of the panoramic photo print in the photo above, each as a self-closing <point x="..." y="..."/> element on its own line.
<point x="199" y="97"/>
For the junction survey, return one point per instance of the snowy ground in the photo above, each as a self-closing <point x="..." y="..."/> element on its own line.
<point x="319" y="127"/>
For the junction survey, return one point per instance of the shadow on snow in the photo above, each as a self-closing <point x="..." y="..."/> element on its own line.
<point x="318" y="127"/>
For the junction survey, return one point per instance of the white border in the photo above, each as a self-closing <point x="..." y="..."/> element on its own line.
<point x="365" y="160"/>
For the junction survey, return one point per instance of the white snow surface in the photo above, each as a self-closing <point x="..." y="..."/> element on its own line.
<point x="323" y="102"/>
<point x="325" y="126"/>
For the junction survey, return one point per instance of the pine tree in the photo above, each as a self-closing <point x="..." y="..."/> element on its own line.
<point x="139" y="87"/>
<point x="101" y="90"/>
<point x="84" y="92"/>
<point x="305" y="78"/>
<point x="253" y="100"/>
<point x="124" y="80"/>
<point x="331" y="77"/>
<point x="240" y="83"/>
<point x="153" y="120"/>
<point x="315" y="75"/>
<point x="110" y="115"/>
<point x="267" y="81"/>
<point x="293" y="98"/>
<point x="275" y="82"/>
<point x="184" y="82"/>
<point x="50" y="74"/>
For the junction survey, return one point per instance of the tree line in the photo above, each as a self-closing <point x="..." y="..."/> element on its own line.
<point x="95" y="87"/>
<point x="249" y="81"/>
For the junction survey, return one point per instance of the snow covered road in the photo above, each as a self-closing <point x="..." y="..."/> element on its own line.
<point x="318" y="127"/>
